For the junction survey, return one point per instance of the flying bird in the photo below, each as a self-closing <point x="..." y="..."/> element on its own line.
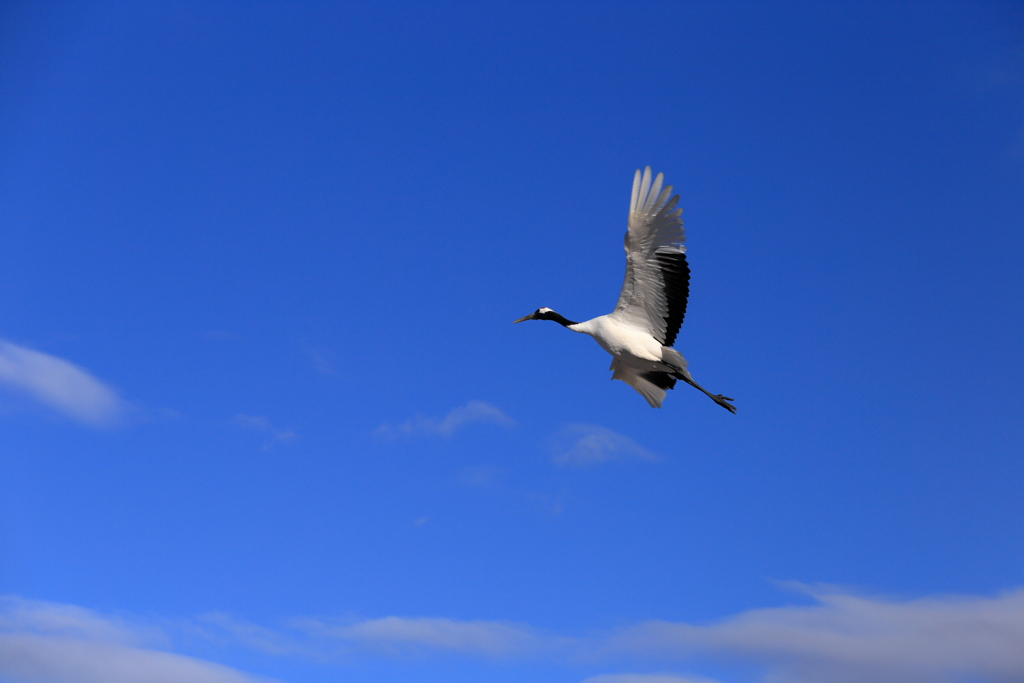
<point x="640" y="332"/>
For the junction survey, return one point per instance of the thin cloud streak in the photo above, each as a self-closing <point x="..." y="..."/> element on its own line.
<point x="223" y="628"/>
<point x="59" y="384"/>
<point x="472" y="412"/>
<point x="404" y="635"/>
<point x="69" y="621"/>
<point x="40" y="659"/>
<point x="842" y="638"/>
<point x="582" y="445"/>
<point x="646" y="678"/>
<point x="44" y="642"/>
<point x="846" y="638"/>
<point x="261" y="424"/>
<point x="319" y="360"/>
<point x="319" y="638"/>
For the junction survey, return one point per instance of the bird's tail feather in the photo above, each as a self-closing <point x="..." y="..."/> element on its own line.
<point x="653" y="393"/>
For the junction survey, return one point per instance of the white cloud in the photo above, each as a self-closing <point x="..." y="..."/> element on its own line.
<point x="262" y="424"/>
<point x="840" y="638"/>
<point x="646" y="678"/>
<point x="474" y="411"/>
<point x="397" y="635"/>
<point x="846" y="638"/>
<point x="319" y="359"/>
<point x="44" y="642"/>
<point x="39" y="659"/>
<point x="32" y="616"/>
<point x="585" y="444"/>
<point x="59" y="384"/>
<point x="479" y="475"/>
<point x="222" y="627"/>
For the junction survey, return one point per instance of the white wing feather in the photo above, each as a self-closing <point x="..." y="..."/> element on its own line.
<point x="632" y="377"/>
<point x="655" y="224"/>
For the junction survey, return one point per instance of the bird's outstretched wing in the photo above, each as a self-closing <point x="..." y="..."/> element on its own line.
<point x="657" y="280"/>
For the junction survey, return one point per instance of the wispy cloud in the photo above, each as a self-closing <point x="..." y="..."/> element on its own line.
<point x="263" y="425"/>
<point x="402" y="635"/>
<point x="840" y="638"/>
<point x="647" y="678"/>
<point x="323" y="638"/>
<point x="59" y="384"/>
<point x="472" y="412"/>
<point x="223" y="628"/>
<point x="69" y="621"/>
<point x="319" y="358"/>
<point x="581" y="445"/>
<point x="44" y="642"/>
<point x="479" y="475"/>
<point x="846" y="638"/>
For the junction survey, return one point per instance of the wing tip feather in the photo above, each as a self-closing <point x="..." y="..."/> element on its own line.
<point x="636" y="192"/>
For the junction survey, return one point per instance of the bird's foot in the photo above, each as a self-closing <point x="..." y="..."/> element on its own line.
<point x="722" y="401"/>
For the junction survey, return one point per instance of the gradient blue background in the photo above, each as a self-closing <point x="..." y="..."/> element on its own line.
<point x="327" y="216"/>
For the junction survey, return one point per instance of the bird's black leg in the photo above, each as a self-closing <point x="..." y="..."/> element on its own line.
<point x="717" y="398"/>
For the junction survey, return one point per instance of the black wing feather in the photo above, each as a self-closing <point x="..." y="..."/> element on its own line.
<point x="675" y="273"/>
<point x="662" y="380"/>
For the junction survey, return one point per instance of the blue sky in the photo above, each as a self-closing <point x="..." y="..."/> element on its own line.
<point x="264" y="415"/>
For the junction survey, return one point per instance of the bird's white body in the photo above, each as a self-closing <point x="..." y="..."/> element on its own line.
<point x="634" y="347"/>
<point x="623" y="340"/>
<point x="640" y="332"/>
<point x="635" y="351"/>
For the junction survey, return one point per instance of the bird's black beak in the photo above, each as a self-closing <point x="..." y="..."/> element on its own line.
<point x="525" y="317"/>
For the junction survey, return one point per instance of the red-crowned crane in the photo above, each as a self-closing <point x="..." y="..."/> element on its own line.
<point x="640" y="332"/>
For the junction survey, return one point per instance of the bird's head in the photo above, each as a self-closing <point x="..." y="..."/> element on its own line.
<point x="539" y="314"/>
<point x="545" y="314"/>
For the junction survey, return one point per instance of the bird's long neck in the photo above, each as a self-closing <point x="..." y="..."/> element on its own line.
<point x="564" y="322"/>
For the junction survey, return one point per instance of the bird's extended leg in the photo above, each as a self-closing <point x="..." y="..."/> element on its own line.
<point x="717" y="398"/>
